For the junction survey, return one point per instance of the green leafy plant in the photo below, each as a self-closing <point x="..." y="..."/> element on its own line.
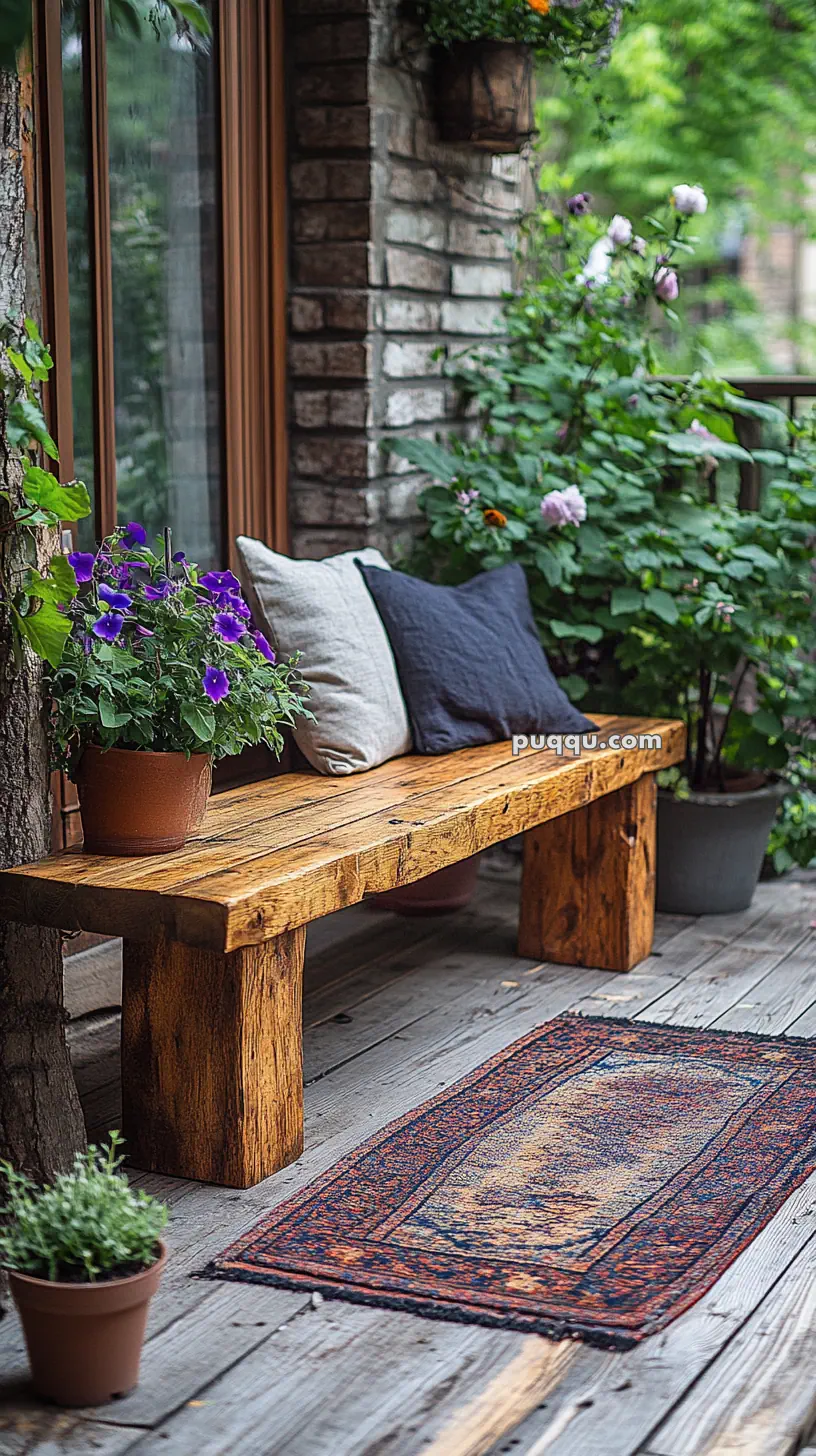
<point x="558" y="28"/>
<point x="87" y="1225"/>
<point x="793" y="837"/>
<point x="35" y="599"/>
<point x="617" y="490"/>
<point x="161" y="658"/>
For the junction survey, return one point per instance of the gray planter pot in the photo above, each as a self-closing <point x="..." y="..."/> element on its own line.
<point x="710" y="849"/>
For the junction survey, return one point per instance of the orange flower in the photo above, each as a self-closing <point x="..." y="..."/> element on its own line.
<point x="494" y="518"/>
<point x="542" y="6"/>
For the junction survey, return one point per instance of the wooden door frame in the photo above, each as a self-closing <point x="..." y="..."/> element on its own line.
<point x="254" y="222"/>
<point x="249" y="42"/>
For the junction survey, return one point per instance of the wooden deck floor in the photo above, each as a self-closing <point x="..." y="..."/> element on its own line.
<point x="395" y="1010"/>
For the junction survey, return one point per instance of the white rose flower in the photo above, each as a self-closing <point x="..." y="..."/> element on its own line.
<point x="619" y="230"/>
<point x="596" y="266"/>
<point x="689" y="200"/>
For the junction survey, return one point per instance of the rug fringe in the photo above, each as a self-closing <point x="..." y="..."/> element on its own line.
<point x="551" y="1329"/>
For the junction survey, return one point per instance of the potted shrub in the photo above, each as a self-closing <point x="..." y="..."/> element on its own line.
<point x="163" y="671"/>
<point x="84" y="1259"/>
<point x="483" y="78"/>
<point x="618" y="492"/>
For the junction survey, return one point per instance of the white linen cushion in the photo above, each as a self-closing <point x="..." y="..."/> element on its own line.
<point x="324" y="611"/>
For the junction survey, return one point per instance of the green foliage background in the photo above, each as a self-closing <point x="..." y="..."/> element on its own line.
<point x="715" y="92"/>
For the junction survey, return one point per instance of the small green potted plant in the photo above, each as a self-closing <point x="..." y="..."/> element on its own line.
<point x="483" y="83"/>
<point x="163" y="671"/>
<point x="84" y="1259"/>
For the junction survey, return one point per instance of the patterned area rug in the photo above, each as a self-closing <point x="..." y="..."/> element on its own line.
<point x="591" y="1181"/>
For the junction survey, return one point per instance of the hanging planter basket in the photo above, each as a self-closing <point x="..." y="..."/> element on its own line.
<point x="484" y="94"/>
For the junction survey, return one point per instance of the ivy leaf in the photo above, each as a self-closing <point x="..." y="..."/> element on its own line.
<point x="20" y="365"/>
<point x="201" y="722"/>
<point x="46" y="630"/>
<point x="25" y="423"/>
<point x="66" y="502"/>
<point x="62" y="573"/>
<point x="663" y="605"/>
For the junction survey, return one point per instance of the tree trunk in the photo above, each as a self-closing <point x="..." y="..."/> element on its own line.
<point x="40" y="1118"/>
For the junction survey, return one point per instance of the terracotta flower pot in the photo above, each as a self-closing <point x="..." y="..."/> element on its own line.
<point x="484" y="94"/>
<point x="436" y="894"/>
<point x="84" y="1341"/>
<point x="136" y="802"/>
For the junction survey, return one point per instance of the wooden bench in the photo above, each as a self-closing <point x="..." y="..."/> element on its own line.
<point x="214" y="934"/>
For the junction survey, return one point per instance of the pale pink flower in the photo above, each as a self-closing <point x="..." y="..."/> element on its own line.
<point x="689" y="200"/>
<point x="666" y="285"/>
<point x="564" y="507"/>
<point x="619" y="231"/>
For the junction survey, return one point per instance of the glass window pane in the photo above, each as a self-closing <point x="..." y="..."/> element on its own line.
<point x="162" y="139"/>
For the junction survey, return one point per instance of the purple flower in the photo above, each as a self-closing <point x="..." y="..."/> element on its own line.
<point x="158" y="592"/>
<point x="228" y="627"/>
<point x="564" y="507"/>
<point x="87" y="645"/>
<point x="215" y="684"/>
<point x="263" y="646"/>
<point x="144" y="631"/>
<point x="179" y="556"/>
<point x="580" y="204"/>
<point x="466" y="498"/>
<point x="222" y="583"/>
<point x="83" y="564"/>
<point x="108" y="626"/>
<point x="135" y="535"/>
<point x="666" y="285"/>
<point x="117" y="601"/>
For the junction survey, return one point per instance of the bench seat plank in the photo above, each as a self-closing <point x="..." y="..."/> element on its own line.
<point x="274" y="857"/>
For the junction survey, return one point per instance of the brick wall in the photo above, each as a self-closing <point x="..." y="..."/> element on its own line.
<point x="400" y="250"/>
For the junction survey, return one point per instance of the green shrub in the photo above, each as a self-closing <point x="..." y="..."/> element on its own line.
<point x="559" y="30"/>
<point x="618" y="492"/>
<point x="87" y="1225"/>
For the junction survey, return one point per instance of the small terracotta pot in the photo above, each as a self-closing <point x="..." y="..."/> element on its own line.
<point x="84" y="1341"/>
<point x="484" y="94"/>
<point x="136" y="802"/>
<point x="436" y="894"/>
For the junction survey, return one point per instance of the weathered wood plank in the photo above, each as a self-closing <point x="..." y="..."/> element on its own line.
<point x="759" y="1396"/>
<point x="212" y="1067"/>
<point x="535" y="1370"/>
<point x="254" y="894"/>
<point x="587" y="889"/>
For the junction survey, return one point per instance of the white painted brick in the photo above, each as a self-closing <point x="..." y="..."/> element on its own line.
<point x="422" y="229"/>
<point x="410" y="406"/>
<point x="410" y="361"/>
<point x="410" y="315"/>
<point x="480" y="280"/>
<point x="463" y="316"/>
<point x="408" y="269"/>
<point x="401" y="497"/>
<point x="481" y="239"/>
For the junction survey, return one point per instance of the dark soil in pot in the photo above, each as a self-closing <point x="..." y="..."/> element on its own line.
<point x="137" y="802"/>
<point x="84" y="1341"/>
<point x="437" y="894"/>
<point x="710" y="847"/>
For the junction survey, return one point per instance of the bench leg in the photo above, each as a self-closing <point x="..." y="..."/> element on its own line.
<point x="212" y="1063"/>
<point x="588" y="883"/>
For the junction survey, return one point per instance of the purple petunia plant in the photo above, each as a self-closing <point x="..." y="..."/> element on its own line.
<point x="159" y="657"/>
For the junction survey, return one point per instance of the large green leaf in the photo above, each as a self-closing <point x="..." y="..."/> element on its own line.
<point x="201" y="722"/>
<point x="46" y="630"/>
<point x="26" y="422"/>
<point x="696" y="446"/>
<point x="663" y="605"/>
<point x="66" y="502"/>
<point x="625" y="599"/>
<point x="581" y="631"/>
<point x="108" y="716"/>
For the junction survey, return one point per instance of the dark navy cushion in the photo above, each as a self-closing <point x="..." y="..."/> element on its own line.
<point x="470" y="663"/>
